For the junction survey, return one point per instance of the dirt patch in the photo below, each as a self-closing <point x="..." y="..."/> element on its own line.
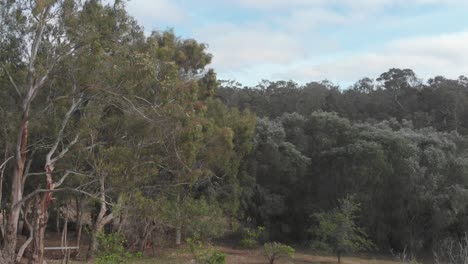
<point x="245" y="256"/>
<point x="241" y="256"/>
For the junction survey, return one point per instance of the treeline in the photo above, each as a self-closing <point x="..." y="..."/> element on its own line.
<point x="397" y="144"/>
<point x="396" y="94"/>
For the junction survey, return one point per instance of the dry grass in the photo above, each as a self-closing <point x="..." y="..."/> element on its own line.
<point x="242" y="256"/>
<point x="236" y="256"/>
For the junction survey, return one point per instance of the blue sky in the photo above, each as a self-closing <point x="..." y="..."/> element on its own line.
<point x="311" y="40"/>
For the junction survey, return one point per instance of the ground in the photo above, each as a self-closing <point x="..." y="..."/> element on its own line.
<point x="233" y="255"/>
<point x="237" y="256"/>
<point x="243" y="256"/>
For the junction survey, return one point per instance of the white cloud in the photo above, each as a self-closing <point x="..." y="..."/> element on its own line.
<point x="157" y="10"/>
<point x="306" y="19"/>
<point x="237" y="46"/>
<point x="428" y="56"/>
<point x="281" y="4"/>
<point x="301" y="39"/>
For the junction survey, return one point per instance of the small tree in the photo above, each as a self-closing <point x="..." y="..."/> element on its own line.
<point x="204" y="254"/>
<point x="338" y="232"/>
<point x="275" y="250"/>
<point x="250" y="237"/>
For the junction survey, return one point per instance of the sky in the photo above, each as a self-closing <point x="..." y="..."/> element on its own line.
<point x="312" y="40"/>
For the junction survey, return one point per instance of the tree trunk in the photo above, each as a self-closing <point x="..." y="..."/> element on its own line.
<point x="2" y="227"/>
<point x="149" y="228"/>
<point x="98" y="228"/>
<point x="26" y="244"/>
<point x="102" y="219"/>
<point x="178" y="235"/>
<point x="7" y="254"/>
<point x="79" y="222"/>
<point x="57" y="220"/>
<point x="34" y="258"/>
<point x="46" y="200"/>
<point x="178" y="231"/>
<point x="2" y="219"/>
<point x="64" y="241"/>
<point x="339" y="258"/>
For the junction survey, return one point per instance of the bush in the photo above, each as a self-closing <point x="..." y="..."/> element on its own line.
<point x="111" y="249"/>
<point x="337" y="230"/>
<point x="205" y="255"/>
<point x="275" y="250"/>
<point x="405" y="257"/>
<point x="250" y="237"/>
<point x="451" y="250"/>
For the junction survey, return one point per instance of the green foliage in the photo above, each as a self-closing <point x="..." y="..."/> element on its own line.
<point x="274" y="251"/>
<point x="197" y="217"/>
<point x="338" y="232"/>
<point x="205" y="219"/>
<point x="251" y="237"/>
<point x="203" y="254"/>
<point x="111" y="249"/>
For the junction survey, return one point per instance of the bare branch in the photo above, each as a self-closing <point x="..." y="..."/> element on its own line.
<point x="37" y="191"/>
<point x="60" y="182"/>
<point x="107" y="219"/>
<point x="35" y="174"/>
<point x="2" y="174"/>
<point x="12" y="81"/>
<point x="130" y="103"/>
<point x="20" y="253"/>
<point x="65" y="150"/>
<point x="154" y="107"/>
<point x="178" y="156"/>
<point x="5" y="162"/>
<point x="59" y="138"/>
<point x="44" y="78"/>
<point x="37" y="40"/>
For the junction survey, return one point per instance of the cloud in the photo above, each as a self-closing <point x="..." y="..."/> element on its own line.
<point x="341" y="40"/>
<point x="354" y="4"/>
<point x="151" y="11"/>
<point x="428" y="56"/>
<point x="237" y="46"/>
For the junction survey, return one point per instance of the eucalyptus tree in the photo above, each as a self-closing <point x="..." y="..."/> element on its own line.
<point x="35" y="41"/>
<point x="50" y="52"/>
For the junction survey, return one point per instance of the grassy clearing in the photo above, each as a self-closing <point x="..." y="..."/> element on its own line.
<point x="242" y="256"/>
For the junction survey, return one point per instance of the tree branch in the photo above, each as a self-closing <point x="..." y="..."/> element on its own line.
<point x="37" y="191"/>
<point x="57" y="184"/>
<point x="20" y="254"/>
<point x="130" y="103"/>
<point x="5" y="162"/>
<point x="59" y="138"/>
<point x="12" y="81"/>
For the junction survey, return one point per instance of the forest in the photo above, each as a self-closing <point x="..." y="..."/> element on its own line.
<point x="129" y="142"/>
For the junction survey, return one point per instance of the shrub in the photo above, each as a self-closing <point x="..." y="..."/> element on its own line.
<point x="275" y="250"/>
<point x="405" y="257"/>
<point x="451" y="250"/>
<point x="111" y="249"/>
<point x="250" y="237"/>
<point x="205" y="255"/>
